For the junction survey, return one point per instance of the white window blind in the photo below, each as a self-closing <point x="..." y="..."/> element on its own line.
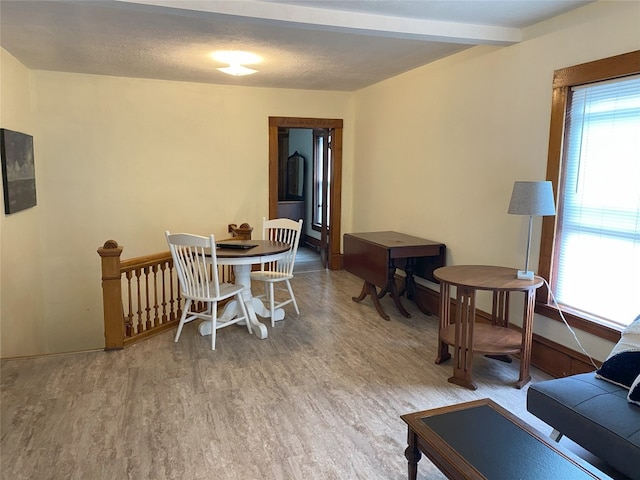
<point x="598" y="270"/>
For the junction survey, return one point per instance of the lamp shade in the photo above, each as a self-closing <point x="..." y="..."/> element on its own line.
<point x="532" y="198"/>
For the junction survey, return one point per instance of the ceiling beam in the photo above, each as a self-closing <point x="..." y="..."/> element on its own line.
<point x="348" y="22"/>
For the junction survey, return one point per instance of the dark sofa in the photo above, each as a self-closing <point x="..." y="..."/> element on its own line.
<point x="593" y="413"/>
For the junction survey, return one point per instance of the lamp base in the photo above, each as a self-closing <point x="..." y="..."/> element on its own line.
<point x="525" y="275"/>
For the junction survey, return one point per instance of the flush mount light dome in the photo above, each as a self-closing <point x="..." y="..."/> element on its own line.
<point x="236" y="60"/>
<point x="237" y="70"/>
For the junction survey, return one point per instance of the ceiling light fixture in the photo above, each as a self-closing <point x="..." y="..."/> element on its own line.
<point x="236" y="60"/>
<point x="237" y="70"/>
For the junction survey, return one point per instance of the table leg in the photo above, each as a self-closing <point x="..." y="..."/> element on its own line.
<point x="500" y="318"/>
<point x="500" y="309"/>
<point x="392" y="289"/>
<point x="363" y="293"/>
<point x="527" y="334"/>
<point x="445" y="307"/>
<point x="243" y="277"/>
<point x="410" y="286"/>
<point x="463" y="349"/>
<point x="412" y="454"/>
<point x="231" y="309"/>
<point x="396" y="298"/>
<point x="391" y="273"/>
<point x="370" y="289"/>
<point x="260" y="309"/>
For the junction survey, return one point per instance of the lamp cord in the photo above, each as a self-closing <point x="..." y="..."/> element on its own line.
<point x="567" y="324"/>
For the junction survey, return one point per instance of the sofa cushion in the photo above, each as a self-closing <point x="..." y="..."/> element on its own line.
<point x="622" y="366"/>
<point x="621" y="369"/>
<point x="634" y="392"/>
<point x="593" y="413"/>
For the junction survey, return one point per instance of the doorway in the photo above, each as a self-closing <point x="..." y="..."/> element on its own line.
<point x="330" y="229"/>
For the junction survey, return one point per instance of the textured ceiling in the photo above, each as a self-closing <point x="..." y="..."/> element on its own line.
<point x="305" y="44"/>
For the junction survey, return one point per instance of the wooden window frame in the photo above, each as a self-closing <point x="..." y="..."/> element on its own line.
<point x="325" y="133"/>
<point x="605" y="69"/>
<point x="314" y="197"/>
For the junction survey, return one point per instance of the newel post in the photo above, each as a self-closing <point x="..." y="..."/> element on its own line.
<point x="112" y="295"/>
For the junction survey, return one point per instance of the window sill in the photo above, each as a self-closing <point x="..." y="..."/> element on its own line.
<point x="574" y="319"/>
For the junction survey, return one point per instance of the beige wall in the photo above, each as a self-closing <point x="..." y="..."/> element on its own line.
<point x="472" y="124"/>
<point x="436" y="151"/>
<point x="126" y="159"/>
<point x="22" y="331"/>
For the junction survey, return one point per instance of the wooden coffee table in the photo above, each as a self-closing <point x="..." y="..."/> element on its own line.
<point x="480" y="440"/>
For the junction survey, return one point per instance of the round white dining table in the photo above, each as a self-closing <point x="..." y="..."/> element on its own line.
<point x="265" y="251"/>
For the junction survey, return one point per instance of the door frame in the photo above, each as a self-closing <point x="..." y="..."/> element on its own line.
<point x="335" y="206"/>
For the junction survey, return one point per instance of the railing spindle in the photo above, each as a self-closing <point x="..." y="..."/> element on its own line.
<point x="146" y="271"/>
<point x="139" y="324"/>
<point x="129" y="320"/>
<point x="163" y="269"/>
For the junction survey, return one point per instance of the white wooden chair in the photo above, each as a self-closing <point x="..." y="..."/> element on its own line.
<point x="279" y="230"/>
<point x="195" y="260"/>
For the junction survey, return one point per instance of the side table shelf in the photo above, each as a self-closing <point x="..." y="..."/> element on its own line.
<point x="488" y="339"/>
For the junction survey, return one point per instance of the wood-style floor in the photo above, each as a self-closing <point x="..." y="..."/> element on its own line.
<point x="320" y="398"/>
<point x="307" y="260"/>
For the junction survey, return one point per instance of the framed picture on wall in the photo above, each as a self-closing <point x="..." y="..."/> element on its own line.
<point x="18" y="171"/>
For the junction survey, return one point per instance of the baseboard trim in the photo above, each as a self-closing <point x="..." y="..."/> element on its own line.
<point x="311" y="242"/>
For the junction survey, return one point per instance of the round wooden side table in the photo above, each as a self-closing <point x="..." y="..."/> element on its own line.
<point x="468" y="337"/>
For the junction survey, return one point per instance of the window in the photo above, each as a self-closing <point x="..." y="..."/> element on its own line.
<point x="321" y="176"/>
<point x="590" y="251"/>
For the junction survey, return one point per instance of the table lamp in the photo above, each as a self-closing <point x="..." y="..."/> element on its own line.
<point x="531" y="198"/>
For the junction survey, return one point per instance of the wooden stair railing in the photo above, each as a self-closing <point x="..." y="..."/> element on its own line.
<point x="141" y="296"/>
